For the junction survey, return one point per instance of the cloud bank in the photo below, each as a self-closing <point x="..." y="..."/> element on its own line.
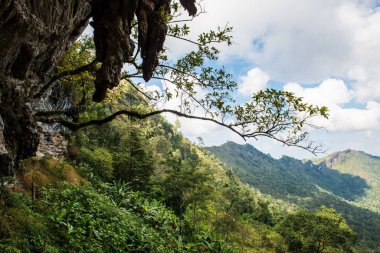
<point x="326" y="51"/>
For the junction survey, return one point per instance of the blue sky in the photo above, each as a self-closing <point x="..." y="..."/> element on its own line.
<point x="326" y="51"/>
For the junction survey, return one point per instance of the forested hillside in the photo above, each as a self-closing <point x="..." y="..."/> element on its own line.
<point x="90" y="163"/>
<point x="359" y="164"/>
<point x="346" y="181"/>
<point x="288" y="176"/>
<point x="139" y="186"/>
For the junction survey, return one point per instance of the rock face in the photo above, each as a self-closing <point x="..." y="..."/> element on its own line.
<point x="34" y="34"/>
<point x="33" y="37"/>
<point x="52" y="143"/>
<point x="112" y="22"/>
<point x="3" y="150"/>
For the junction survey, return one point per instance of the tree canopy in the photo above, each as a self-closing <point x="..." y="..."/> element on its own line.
<point x="128" y="43"/>
<point x="205" y="91"/>
<point x="305" y="231"/>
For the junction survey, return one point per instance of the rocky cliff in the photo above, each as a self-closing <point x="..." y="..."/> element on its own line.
<point x="34" y="34"/>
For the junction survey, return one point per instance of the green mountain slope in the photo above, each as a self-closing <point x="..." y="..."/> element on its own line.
<point x="346" y="181"/>
<point x="140" y="186"/>
<point x="288" y="176"/>
<point x="360" y="164"/>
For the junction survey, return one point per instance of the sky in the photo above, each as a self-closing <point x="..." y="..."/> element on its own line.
<point x="326" y="51"/>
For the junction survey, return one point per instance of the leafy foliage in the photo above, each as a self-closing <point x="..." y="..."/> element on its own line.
<point x="287" y="176"/>
<point x="313" y="185"/>
<point x="100" y="160"/>
<point x="204" y="90"/>
<point x="317" y="232"/>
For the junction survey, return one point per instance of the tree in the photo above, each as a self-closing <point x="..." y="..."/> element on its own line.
<point x="310" y="232"/>
<point x="35" y="34"/>
<point x="185" y="181"/>
<point x="133" y="162"/>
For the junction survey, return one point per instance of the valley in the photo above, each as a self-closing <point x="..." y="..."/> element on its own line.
<point x="347" y="181"/>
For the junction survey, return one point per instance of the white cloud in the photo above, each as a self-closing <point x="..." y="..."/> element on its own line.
<point x="254" y="81"/>
<point x="366" y="83"/>
<point x="335" y="94"/>
<point x="330" y="92"/>
<point x="364" y="24"/>
<point x="352" y="119"/>
<point x="151" y="89"/>
<point x="191" y="128"/>
<point x="304" y="41"/>
<point x="291" y="39"/>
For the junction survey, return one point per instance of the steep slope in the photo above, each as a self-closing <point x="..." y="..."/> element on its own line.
<point x="347" y="181"/>
<point x="35" y="34"/>
<point x="287" y="176"/>
<point x="360" y="164"/>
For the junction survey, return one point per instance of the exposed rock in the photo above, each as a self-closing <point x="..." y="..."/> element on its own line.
<point x="52" y="143"/>
<point x="112" y="28"/>
<point x="3" y="150"/>
<point x="19" y="133"/>
<point x="152" y="32"/>
<point x="112" y="22"/>
<point x="189" y="5"/>
<point x="35" y="33"/>
<point x="33" y="36"/>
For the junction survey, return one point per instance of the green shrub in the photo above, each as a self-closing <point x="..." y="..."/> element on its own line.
<point x="90" y="222"/>
<point x="99" y="160"/>
<point x="8" y="249"/>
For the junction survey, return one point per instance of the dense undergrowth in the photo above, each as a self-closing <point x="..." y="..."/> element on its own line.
<point x="116" y="193"/>
<point x="140" y="186"/>
<point x="349" y="188"/>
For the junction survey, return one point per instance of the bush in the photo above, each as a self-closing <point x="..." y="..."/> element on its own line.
<point x="8" y="249"/>
<point x="100" y="161"/>
<point x="91" y="222"/>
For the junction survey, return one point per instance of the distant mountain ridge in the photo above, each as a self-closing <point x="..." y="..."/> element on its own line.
<point x="348" y="181"/>
<point x="289" y="176"/>
<point x="363" y="165"/>
<point x="354" y="162"/>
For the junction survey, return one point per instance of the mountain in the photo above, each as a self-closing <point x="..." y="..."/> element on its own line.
<point x="360" y="164"/>
<point x="348" y="181"/>
<point x="288" y="176"/>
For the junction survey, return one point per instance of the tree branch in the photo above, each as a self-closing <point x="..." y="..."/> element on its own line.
<point x="140" y="91"/>
<point x="183" y="72"/>
<point x="309" y="147"/>
<point x="174" y="82"/>
<point x="58" y="76"/>
<point x="187" y="40"/>
<point x="76" y="126"/>
<point x="133" y="114"/>
<point x="199" y="12"/>
<point x="194" y="42"/>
